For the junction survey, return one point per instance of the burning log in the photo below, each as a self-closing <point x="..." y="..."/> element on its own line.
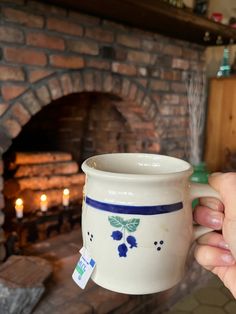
<point x="48" y="169"/>
<point x="23" y="158"/>
<point x="13" y="187"/>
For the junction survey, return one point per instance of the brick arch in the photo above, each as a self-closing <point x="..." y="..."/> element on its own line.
<point x="135" y="105"/>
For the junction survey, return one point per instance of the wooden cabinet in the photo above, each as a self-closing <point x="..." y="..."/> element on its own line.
<point x="221" y="123"/>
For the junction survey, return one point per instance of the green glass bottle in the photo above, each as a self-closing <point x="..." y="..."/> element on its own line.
<point x="200" y="175"/>
<point x="225" y="66"/>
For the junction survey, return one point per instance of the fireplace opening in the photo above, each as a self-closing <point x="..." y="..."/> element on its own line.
<point x="44" y="160"/>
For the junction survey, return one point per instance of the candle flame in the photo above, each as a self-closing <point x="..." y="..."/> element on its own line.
<point x="66" y="191"/>
<point x="43" y="197"/>
<point x="19" y="202"/>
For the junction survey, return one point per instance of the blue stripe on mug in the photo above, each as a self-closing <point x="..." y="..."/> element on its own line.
<point x="135" y="210"/>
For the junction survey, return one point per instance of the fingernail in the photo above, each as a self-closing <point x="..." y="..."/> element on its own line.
<point x="228" y="259"/>
<point x="215" y="221"/>
<point x="222" y="244"/>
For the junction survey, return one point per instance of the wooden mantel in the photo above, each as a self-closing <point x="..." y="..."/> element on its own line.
<point x="157" y="16"/>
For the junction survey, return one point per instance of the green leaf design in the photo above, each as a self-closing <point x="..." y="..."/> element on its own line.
<point x="132" y="224"/>
<point x="116" y="221"/>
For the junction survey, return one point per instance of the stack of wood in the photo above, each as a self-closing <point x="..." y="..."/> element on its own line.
<point x="34" y="174"/>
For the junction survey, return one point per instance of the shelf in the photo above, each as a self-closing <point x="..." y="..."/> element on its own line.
<point x="156" y="16"/>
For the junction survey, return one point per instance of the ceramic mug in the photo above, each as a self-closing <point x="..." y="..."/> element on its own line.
<point x="137" y="220"/>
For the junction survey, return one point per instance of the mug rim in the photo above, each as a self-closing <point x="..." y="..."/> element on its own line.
<point x="89" y="167"/>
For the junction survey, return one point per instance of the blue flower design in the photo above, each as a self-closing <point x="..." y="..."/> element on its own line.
<point x="122" y="249"/>
<point x="125" y="225"/>
<point x="117" y="235"/>
<point x="132" y="241"/>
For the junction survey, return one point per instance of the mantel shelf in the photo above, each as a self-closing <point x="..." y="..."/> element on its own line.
<point x="156" y="16"/>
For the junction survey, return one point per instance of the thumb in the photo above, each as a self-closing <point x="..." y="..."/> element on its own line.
<point x="225" y="184"/>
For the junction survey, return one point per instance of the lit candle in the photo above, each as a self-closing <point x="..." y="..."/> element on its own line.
<point x="19" y="207"/>
<point x="43" y="203"/>
<point x="66" y="197"/>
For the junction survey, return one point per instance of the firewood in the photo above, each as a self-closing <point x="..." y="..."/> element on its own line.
<point x="31" y="198"/>
<point x="48" y="169"/>
<point x="13" y="187"/>
<point x="24" y="158"/>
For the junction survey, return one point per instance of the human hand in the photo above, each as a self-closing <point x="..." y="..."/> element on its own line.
<point x="217" y="251"/>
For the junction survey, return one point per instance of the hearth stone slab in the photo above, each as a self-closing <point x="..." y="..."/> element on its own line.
<point x="21" y="283"/>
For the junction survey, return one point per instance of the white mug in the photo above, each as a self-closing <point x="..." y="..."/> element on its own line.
<point x="137" y="220"/>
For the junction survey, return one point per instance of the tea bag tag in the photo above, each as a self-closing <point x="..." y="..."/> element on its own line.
<point x="83" y="269"/>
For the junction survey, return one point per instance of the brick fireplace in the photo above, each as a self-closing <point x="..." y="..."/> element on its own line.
<point x="95" y="85"/>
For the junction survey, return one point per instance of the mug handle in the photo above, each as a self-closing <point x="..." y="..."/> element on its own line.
<point x="202" y="190"/>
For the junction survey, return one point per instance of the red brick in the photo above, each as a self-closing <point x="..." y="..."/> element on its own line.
<point x="5" y="141"/>
<point x="151" y="45"/>
<point x="128" y="41"/>
<point x="123" y="68"/>
<point x="11" y="73"/>
<point x="64" y="26"/>
<point x="170" y="75"/>
<point x="190" y="54"/>
<point x="125" y="87"/>
<point x="66" y="84"/>
<point x="31" y="102"/>
<point x="139" y="57"/>
<point x="23" y="18"/>
<point x="3" y="108"/>
<point x="178" y="87"/>
<point x="180" y="64"/>
<point x="12" y="127"/>
<point x="98" y="64"/>
<point x="107" y="83"/>
<point x="143" y="82"/>
<point x="116" y="85"/>
<point x="45" y="41"/>
<point x="55" y="88"/>
<point x="2" y="204"/>
<point x="77" y="82"/>
<point x="172" y="50"/>
<point x="82" y="46"/>
<point x="159" y="85"/>
<point x="12" y="91"/>
<point x="133" y="91"/>
<point x="24" y="55"/>
<point x="11" y="35"/>
<point x="1" y="167"/>
<point x="97" y="81"/>
<point x="140" y="96"/>
<point x="20" y="113"/>
<point x="88" y="81"/>
<point x="43" y="95"/>
<point x="170" y="99"/>
<point x="99" y="34"/>
<point x="73" y="62"/>
<point x="36" y="75"/>
<point x="120" y="54"/>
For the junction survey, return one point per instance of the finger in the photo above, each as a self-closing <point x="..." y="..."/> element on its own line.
<point x="212" y="203"/>
<point x="208" y="217"/>
<point x="210" y="257"/>
<point x="225" y="184"/>
<point x="213" y="239"/>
